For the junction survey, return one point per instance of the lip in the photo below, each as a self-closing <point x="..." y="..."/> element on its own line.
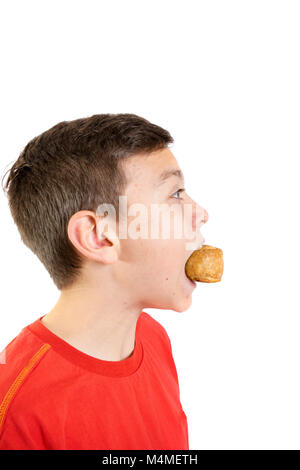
<point x="193" y="283"/>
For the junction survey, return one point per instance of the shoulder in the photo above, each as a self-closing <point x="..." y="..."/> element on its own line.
<point x="21" y="358"/>
<point x="21" y="354"/>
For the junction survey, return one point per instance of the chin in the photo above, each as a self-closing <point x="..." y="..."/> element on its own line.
<point x="183" y="305"/>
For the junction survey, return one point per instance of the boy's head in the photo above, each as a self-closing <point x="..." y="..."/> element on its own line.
<point x="63" y="176"/>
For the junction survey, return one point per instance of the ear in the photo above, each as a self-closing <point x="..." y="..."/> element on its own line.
<point x="92" y="243"/>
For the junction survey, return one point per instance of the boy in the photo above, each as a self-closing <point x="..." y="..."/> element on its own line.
<point x="97" y="372"/>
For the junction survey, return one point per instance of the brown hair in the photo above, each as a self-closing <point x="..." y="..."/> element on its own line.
<point x="73" y="166"/>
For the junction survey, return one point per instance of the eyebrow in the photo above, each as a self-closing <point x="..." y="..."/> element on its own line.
<point x="168" y="173"/>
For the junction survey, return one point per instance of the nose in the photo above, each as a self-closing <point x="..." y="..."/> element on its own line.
<point x="203" y="215"/>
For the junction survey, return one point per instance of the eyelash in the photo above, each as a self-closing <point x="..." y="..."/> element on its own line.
<point x="178" y="191"/>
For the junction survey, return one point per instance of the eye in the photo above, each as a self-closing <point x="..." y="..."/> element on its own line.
<point x="177" y="192"/>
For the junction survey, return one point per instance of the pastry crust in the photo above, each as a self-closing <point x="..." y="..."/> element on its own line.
<point x="205" y="265"/>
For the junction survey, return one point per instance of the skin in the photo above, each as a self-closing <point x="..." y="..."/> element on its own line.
<point x="122" y="277"/>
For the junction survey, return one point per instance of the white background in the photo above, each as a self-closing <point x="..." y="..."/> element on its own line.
<point x="223" y="77"/>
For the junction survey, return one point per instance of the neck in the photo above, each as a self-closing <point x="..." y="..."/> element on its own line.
<point x="95" y="320"/>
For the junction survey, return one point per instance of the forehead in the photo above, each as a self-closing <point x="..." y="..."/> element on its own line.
<point x="152" y="169"/>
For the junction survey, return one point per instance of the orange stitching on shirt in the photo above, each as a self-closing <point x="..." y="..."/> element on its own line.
<point x="19" y="379"/>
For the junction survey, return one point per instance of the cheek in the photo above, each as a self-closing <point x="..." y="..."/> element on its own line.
<point x="165" y="260"/>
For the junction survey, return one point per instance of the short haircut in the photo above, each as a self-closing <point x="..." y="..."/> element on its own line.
<point x="75" y="165"/>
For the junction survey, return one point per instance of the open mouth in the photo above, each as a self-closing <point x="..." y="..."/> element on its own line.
<point x="189" y="280"/>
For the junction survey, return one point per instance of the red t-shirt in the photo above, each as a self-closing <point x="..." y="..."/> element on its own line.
<point x="53" y="396"/>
